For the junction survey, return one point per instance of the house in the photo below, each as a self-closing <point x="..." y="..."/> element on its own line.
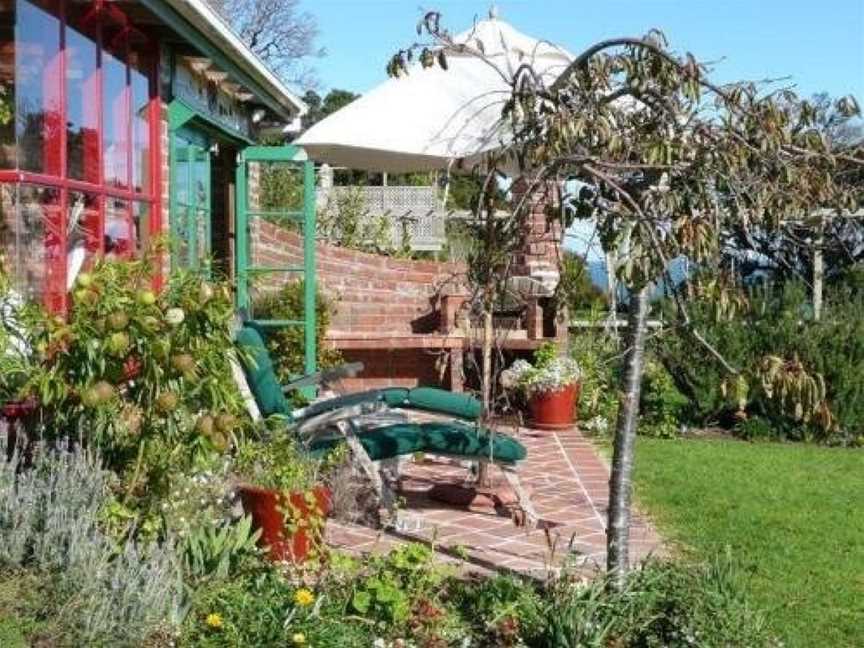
<point x="121" y="121"/>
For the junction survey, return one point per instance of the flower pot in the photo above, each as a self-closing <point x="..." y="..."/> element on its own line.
<point x="13" y="415"/>
<point x="556" y="409"/>
<point x="267" y="509"/>
<point x="16" y="410"/>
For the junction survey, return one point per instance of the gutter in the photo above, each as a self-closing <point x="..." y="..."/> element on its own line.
<point x="200" y="17"/>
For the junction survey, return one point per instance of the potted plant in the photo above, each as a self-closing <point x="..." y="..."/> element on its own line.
<point x="551" y="387"/>
<point x="284" y="492"/>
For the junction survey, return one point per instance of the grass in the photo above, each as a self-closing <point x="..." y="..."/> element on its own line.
<point x="793" y="515"/>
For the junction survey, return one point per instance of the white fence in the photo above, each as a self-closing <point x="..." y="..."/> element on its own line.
<point x="414" y="210"/>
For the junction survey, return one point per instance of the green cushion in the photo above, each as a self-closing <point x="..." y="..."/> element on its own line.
<point x="381" y="443"/>
<point x="442" y="401"/>
<point x="435" y="438"/>
<point x="260" y="373"/>
<point x="465" y="441"/>
<point x="394" y="396"/>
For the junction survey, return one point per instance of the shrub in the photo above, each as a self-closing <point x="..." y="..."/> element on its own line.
<point x="776" y="323"/>
<point x="286" y="343"/>
<point x="144" y="377"/>
<point x="662" y="405"/>
<point x="347" y="221"/>
<point x="597" y="354"/>
<point x="503" y="610"/>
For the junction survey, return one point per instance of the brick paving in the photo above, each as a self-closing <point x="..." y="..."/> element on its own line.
<point x="568" y="483"/>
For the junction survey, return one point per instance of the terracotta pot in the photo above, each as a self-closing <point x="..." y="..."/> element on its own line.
<point x="13" y="416"/>
<point x="14" y="410"/>
<point x="554" y="410"/>
<point x="266" y="506"/>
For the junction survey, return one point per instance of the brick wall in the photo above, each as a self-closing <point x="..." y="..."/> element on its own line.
<point x="374" y="293"/>
<point x="387" y="310"/>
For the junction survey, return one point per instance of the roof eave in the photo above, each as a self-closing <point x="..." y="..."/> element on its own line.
<point x="202" y="18"/>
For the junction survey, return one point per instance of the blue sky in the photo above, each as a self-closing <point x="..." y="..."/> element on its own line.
<point x="819" y="44"/>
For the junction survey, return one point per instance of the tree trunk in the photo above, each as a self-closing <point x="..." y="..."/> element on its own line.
<point x="486" y="382"/>
<point x="621" y="478"/>
<point x="488" y="339"/>
<point x="818" y="269"/>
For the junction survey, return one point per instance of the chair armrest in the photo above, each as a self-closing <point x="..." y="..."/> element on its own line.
<point x="327" y="419"/>
<point x="325" y="376"/>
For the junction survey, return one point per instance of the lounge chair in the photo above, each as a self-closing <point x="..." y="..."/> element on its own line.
<point x="364" y="421"/>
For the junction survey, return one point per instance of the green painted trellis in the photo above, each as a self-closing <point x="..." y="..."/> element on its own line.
<point x="248" y="210"/>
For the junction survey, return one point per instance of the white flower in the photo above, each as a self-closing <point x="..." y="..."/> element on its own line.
<point x="175" y="316"/>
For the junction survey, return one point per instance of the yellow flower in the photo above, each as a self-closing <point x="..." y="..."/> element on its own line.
<point x="298" y="638"/>
<point x="303" y="597"/>
<point x="214" y="620"/>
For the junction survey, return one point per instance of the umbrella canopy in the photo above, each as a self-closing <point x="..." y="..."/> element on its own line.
<point x="430" y="117"/>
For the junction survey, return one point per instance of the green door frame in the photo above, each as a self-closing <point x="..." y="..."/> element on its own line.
<point x="192" y="153"/>
<point x="245" y="268"/>
<point x="182" y="116"/>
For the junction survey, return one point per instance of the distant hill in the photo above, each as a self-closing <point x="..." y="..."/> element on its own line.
<point x="597" y="272"/>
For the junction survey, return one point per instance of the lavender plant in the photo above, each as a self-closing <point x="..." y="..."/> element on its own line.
<point x="49" y="522"/>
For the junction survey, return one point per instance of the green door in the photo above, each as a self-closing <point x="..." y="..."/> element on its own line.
<point x="190" y="209"/>
<point x="275" y="211"/>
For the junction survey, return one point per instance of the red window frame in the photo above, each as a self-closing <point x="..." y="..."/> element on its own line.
<point x="56" y="153"/>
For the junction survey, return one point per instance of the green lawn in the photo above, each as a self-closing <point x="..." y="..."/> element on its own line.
<point x="793" y="514"/>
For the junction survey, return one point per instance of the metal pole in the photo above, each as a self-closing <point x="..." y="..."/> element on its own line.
<point x="310" y="280"/>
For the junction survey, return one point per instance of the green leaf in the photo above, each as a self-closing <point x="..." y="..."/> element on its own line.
<point x="361" y="601"/>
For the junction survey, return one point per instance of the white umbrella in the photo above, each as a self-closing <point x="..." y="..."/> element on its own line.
<point x="430" y="117"/>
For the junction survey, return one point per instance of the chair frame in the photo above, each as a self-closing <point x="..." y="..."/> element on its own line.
<point x="348" y="423"/>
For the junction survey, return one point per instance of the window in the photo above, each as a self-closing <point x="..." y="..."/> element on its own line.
<point x="78" y="160"/>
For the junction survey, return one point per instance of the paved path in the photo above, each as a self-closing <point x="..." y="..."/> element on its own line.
<point x="568" y="483"/>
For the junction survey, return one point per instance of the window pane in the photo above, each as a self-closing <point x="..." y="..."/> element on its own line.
<point x="139" y="69"/>
<point x="81" y="108"/>
<point x="141" y="224"/>
<point x="115" y="118"/>
<point x="38" y="89"/>
<point x="119" y="239"/>
<point x="39" y="236"/>
<point x="7" y="84"/>
<point x="10" y="229"/>
<point x="84" y="237"/>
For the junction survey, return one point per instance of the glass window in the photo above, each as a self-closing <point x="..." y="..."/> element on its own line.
<point x="115" y="119"/>
<point x="38" y="109"/>
<point x="40" y="240"/>
<point x="10" y="252"/>
<point x="141" y="225"/>
<point x="119" y="236"/>
<point x="7" y="84"/>
<point x="83" y="241"/>
<point x="92" y="96"/>
<point x="82" y="118"/>
<point x="139" y="70"/>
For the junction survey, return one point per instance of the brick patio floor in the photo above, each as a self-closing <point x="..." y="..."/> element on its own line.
<point x="568" y="483"/>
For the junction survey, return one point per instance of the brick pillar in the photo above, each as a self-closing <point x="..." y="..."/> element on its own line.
<point x="540" y="250"/>
<point x="451" y="304"/>
<point x="457" y="375"/>
<point x="538" y="258"/>
<point x="534" y="319"/>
